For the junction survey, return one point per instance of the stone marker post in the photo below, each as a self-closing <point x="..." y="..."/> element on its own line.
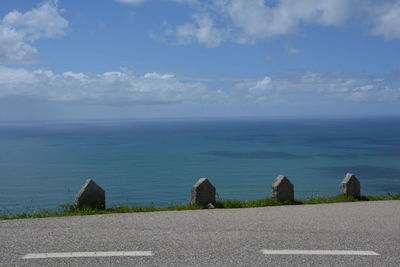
<point x="91" y="195"/>
<point x="282" y="189"/>
<point x="350" y="186"/>
<point x="203" y="192"/>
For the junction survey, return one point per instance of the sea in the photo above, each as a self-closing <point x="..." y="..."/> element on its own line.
<point x="156" y="162"/>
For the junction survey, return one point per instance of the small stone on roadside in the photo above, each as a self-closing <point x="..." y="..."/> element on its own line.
<point x="350" y="186"/>
<point x="203" y="192"/>
<point x="282" y="189"/>
<point x="91" y="195"/>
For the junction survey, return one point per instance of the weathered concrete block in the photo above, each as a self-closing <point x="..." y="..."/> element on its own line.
<point x="350" y="186"/>
<point x="203" y="192"/>
<point x="91" y="195"/>
<point x="282" y="189"/>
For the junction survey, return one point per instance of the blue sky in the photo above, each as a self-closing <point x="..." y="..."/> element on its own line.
<point x="191" y="58"/>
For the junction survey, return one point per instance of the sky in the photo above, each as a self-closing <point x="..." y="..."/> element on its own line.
<point x="138" y="59"/>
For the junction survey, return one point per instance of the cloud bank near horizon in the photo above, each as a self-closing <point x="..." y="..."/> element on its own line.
<point x="109" y="88"/>
<point x="123" y="87"/>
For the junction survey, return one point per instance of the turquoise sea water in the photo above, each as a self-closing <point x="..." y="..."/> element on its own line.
<point x="44" y="164"/>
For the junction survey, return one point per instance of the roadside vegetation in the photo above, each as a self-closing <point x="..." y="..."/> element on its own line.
<point x="72" y="210"/>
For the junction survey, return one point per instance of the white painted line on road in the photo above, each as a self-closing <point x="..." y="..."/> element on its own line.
<point x="88" y="254"/>
<point x="320" y="252"/>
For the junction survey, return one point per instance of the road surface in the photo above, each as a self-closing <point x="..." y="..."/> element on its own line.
<point x="346" y="234"/>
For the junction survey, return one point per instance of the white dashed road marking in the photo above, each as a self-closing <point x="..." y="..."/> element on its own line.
<point x="88" y="254"/>
<point x="320" y="252"/>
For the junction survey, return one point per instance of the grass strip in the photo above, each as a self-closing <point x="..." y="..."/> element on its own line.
<point x="72" y="210"/>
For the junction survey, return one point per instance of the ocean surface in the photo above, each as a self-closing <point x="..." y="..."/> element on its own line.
<point x="44" y="164"/>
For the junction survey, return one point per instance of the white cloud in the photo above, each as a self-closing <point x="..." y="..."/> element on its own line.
<point x="248" y="21"/>
<point x="256" y="19"/>
<point x="131" y="2"/>
<point x="387" y="22"/>
<point x="14" y="48"/>
<point x="262" y="85"/>
<point x="110" y="88"/>
<point x="19" y="30"/>
<point x="202" y="31"/>
<point x="293" y="51"/>
<point x="124" y="88"/>
<point x="43" y="21"/>
<point x="336" y="85"/>
<point x="155" y="75"/>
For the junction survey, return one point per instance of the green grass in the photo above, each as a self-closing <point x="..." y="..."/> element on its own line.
<point x="72" y="210"/>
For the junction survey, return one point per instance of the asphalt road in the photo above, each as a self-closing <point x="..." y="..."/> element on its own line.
<point x="228" y="237"/>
